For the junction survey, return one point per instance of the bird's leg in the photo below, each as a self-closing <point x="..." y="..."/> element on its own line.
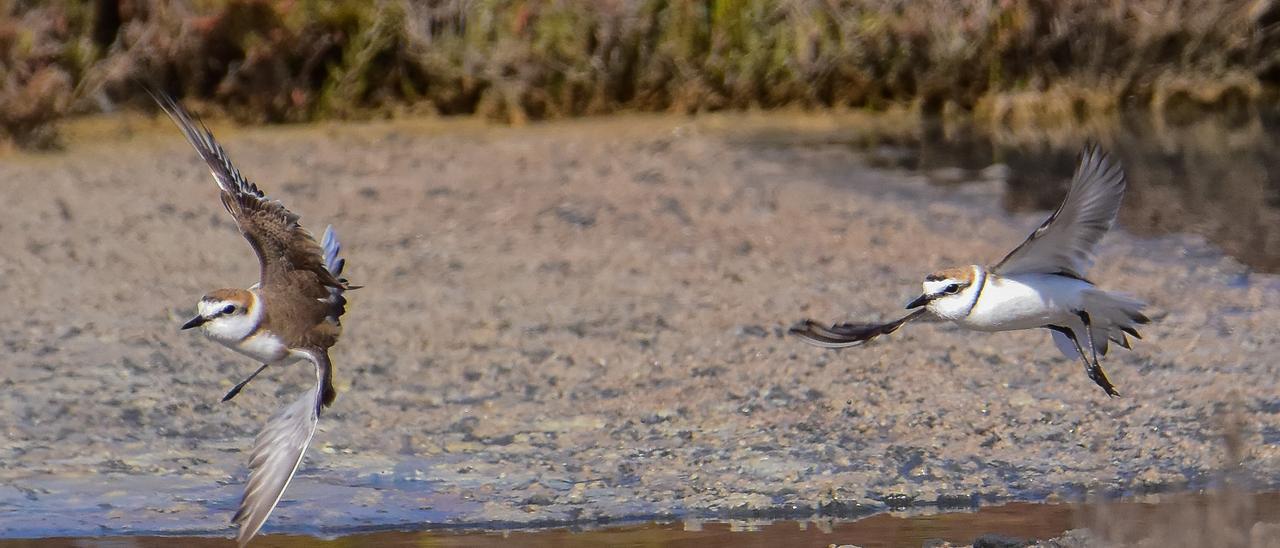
<point x="1092" y="368"/>
<point x="236" y="389"/>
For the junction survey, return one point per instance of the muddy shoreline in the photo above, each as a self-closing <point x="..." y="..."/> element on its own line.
<point x="583" y="321"/>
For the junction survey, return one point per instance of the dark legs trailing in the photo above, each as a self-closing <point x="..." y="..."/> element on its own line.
<point x="1095" y="369"/>
<point x="1091" y="367"/>
<point x="236" y="389"/>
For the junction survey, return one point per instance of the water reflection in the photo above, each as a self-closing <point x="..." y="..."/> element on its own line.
<point x="1214" y="176"/>
<point x="1020" y="520"/>
<point x="1225" y="517"/>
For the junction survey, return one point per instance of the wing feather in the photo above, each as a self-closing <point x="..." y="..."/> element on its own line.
<point x="334" y="263"/>
<point x="1065" y="242"/>
<point x="277" y="452"/>
<point x="285" y="250"/>
<point x="846" y="335"/>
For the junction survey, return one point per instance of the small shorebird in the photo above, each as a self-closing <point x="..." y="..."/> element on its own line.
<point x="1040" y="284"/>
<point x="290" y="314"/>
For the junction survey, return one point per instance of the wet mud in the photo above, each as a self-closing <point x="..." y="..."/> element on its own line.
<point x="584" y="323"/>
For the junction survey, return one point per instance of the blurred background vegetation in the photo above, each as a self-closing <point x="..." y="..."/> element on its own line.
<point x="1003" y="62"/>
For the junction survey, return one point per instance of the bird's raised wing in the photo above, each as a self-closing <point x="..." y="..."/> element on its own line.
<point x="845" y="335"/>
<point x="277" y="452"/>
<point x="1064" y="243"/>
<point x="285" y="250"/>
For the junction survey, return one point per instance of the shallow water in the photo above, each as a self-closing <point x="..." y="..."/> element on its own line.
<point x="1021" y="520"/>
<point x="1215" y="177"/>
<point x="1204" y="518"/>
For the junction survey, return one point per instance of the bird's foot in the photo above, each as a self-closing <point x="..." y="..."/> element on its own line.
<point x="1099" y="377"/>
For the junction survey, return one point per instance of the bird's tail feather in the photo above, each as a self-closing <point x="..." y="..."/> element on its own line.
<point x="1113" y="318"/>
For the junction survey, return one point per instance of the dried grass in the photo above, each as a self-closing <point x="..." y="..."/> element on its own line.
<point x="1013" y="61"/>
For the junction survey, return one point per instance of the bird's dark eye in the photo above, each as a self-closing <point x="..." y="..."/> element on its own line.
<point x="229" y="309"/>
<point x="951" y="288"/>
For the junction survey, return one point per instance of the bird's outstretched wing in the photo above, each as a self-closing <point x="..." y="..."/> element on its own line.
<point x="1064" y="243"/>
<point x="287" y="253"/>
<point x="277" y="452"/>
<point x="845" y="335"/>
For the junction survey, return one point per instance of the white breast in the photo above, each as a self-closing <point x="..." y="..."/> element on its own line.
<point x="263" y="346"/>
<point x="1024" y="302"/>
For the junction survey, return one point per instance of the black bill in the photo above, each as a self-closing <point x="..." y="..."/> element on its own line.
<point x="919" y="302"/>
<point x="194" y="322"/>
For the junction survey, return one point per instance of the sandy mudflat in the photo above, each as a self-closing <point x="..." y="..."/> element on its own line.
<point x="582" y="321"/>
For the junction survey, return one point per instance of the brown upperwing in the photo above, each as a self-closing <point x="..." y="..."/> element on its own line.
<point x="297" y="318"/>
<point x="281" y="243"/>
<point x="293" y="279"/>
<point x="294" y="282"/>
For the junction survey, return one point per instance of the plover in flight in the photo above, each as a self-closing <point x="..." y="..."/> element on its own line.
<point x="1040" y="284"/>
<point x="290" y="314"/>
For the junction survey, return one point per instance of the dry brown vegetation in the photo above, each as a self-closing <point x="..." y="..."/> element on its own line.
<point x="1005" y="62"/>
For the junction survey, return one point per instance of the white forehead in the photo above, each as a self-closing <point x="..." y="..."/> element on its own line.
<point x="207" y="308"/>
<point x="936" y="286"/>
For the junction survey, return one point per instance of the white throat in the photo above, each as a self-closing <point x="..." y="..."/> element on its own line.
<point x="957" y="306"/>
